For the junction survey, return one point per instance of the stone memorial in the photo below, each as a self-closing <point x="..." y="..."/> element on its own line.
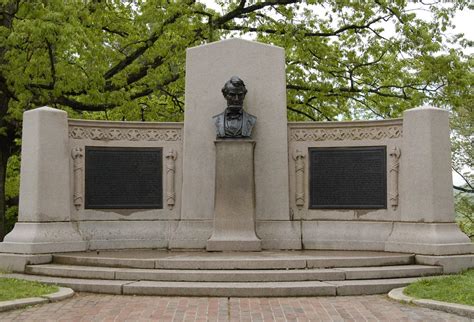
<point x="242" y="179"/>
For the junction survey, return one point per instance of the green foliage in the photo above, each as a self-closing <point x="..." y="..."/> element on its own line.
<point x="12" y="190"/>
<point x="12" y="184"/>
<point x="454" y="289"/>
<point x="345" y="59"/>
<point x="12" y="289"/>
<point x="465" y="213"/>
<point x="93" y="56"/>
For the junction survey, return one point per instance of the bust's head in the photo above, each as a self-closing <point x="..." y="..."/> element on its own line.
<point x="234" y="92"/>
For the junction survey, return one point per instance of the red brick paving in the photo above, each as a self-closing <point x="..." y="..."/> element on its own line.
<point x="95" y="307"/>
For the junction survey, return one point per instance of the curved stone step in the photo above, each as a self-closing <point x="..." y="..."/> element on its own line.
<point x="225" y="289"/>
<point x="245" y="289"/>
<point x="381" y="272"/>
<point x="230" y="261"/>
<point x="134" y="274"/>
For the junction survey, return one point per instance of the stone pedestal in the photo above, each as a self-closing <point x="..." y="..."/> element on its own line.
<point x="426" y="188"/>
<point x="45" y="196"/>
<point x="234" y="205"/>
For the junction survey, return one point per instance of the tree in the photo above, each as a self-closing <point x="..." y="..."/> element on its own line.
<point x="90" y="57"/>
<point x="125" y="59"/>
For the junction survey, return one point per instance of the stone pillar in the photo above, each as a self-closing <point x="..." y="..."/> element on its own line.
<point x="426" y="190"/>
<point x="234" y="205"/>
<point x="45" y="194"/>
<point x="262" y="68"/>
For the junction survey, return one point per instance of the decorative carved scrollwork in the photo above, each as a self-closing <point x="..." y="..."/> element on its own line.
<point x="115" y="134"/>
<point x="170" y="176"/>
<point x="298" y="156"/>
<point x="394" y="169"/>
<point x="77" y="155"/>
<point x="341" y="134"/>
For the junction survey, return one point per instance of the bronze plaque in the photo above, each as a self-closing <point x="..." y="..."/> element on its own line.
<point x="123" y="178"/>
<point x="348" y="178"/>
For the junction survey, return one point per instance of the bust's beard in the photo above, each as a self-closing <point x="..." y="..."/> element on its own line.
<point x="235" y="108"/>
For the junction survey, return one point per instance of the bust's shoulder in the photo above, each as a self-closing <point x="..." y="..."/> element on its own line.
<point x="218" y="116"/>
<point x="251" y="118"/>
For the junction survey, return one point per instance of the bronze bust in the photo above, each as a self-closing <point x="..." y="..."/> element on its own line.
<point x="234" y="122"/>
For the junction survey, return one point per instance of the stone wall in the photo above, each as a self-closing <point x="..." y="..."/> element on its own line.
<point x="343" y="228"/>
<point x="127" y="228"/>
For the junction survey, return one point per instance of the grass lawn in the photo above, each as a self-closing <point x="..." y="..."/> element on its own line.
<point x="454" y="288"/>
<point x="12" y="289"/>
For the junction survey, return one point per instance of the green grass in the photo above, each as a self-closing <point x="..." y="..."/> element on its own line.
<point x="454" y="288"/>
<point x="12" y="289"/>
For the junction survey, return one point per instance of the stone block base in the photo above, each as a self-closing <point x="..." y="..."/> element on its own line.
<point x="17" y="262"/>
<point x="194" y="234"/>
<point x="429" y="239"/>
<point x="127" y="234"/>
<point x="191" y="234"/>
<point x="345" y="235"/>
<point x="234" y="245"/>
<point x="42" y="238"/>
<point x="451" y="263"/>
<point x="279" y="234"/>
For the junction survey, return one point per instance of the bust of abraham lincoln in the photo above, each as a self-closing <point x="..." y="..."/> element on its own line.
<point x="234" y="122"/>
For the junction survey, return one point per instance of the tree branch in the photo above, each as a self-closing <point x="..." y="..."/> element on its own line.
<point x="306" y="34"/>
<point x="132" y="78"/>
<point x="80" y="106"/>
<point x="139" y="51"/>
<point x="347" y="90"/>
<point x="52" y="63"/>
<point x="241" y="10"/>
<point x="463" y="189"/>
<point x="66" y="101"/>
<point x="301" y="112"/>
<point x="115" y="32"/>
<point x="464" y="178"/>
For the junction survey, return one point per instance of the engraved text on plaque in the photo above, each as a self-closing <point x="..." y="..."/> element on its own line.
<point x="349" y="177"/>
<point x="123" y="178"/>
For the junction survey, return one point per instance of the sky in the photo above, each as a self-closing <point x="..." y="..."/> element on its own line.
<point x="463" y="22"/>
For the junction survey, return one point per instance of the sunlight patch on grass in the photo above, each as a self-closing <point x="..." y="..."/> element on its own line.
<point x="12" y="289"/>
<point x="454" y="288"/>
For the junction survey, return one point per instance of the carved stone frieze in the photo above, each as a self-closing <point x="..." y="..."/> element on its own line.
<point x="343" y="134"/>
<point x="126" y="134"/>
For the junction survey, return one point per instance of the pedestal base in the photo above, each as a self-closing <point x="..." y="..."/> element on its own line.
<point x="234" y="206"/>
<point x="234" y="245"/>
<point x="43" y="238"/>
<point x="429" y="239"/>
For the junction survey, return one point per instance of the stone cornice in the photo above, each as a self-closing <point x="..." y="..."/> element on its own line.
<point x="343" y="131"/>
<point x="125" y="131"/>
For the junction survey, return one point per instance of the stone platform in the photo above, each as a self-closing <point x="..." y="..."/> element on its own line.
<point x="243" y="274"/>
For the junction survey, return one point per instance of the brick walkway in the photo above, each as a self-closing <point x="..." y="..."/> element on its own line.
<point x="94" y="307"/>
